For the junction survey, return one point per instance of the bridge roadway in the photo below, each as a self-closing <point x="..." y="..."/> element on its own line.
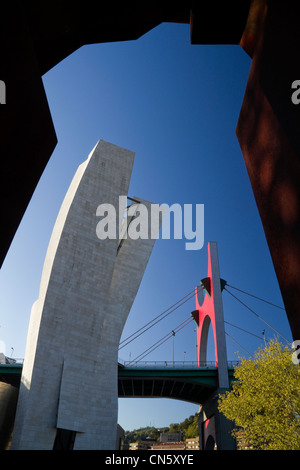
<point x="179" y="380"/>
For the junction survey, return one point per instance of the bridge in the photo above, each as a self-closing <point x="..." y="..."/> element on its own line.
<point x="199" y="382"/>
<point x="267" y="94"/>
<point x="181" y="380"/>
<point x="178" y="380"/>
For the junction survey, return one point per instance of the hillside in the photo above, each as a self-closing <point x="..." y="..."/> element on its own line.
<point x="189" y="426"/>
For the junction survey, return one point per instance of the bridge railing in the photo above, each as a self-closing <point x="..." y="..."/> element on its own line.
<point x="8" y="361"/>
<point x="153" y="364"/>
<point x="173" y="364"/>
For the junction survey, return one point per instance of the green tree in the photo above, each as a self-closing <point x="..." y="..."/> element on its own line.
<point x="265" y="399"/>
<point x="192" y="429"/>
<point x="174" y="427"/>
<point x="189" y="426"/>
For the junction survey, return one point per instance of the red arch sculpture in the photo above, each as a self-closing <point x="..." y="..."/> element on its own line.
<point x="210" y="311"/>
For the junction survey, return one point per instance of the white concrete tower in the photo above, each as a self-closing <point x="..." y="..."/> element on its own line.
<point x="68" y="393"/>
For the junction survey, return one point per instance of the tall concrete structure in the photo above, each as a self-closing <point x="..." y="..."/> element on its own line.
<point x="68" y="394"/>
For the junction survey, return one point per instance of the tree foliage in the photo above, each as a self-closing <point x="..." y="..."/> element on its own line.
<point x="265" y="399"/>
<point x="142" y="434"/>
<point x="189" y="426"/>
<point x="192" y="429"/>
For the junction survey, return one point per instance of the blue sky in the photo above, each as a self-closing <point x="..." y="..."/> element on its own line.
<point x="176" y="105"/>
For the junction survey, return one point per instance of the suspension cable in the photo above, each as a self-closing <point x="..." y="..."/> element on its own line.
<point x="258" y="298"/>
<point x="152" y="348"/>
<point x="164" y="314"/>
<point x="246" y="331"/>
<point x="256" y="314"/>
<point x="161" y="341"/>
<point x="238" y="344"/>
<point x="178" y="304"/>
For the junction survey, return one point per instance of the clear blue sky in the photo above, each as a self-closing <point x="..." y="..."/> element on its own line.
<point x="177" y="106"/>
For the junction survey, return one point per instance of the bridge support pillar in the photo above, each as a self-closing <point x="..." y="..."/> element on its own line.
<point x="215" y="430"/>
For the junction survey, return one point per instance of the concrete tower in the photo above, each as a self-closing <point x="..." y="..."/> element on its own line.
<point x="68" y="393"/>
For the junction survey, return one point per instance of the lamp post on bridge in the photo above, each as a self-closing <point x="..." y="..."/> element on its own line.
<point x="173" y="333"/>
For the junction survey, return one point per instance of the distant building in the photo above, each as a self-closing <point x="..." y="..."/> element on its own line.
<point x="192" y="443"/>
<point x="241" y="442"/>
<point x="169" y="446"/>
<point x="142" y="445"/>
<point x="171" y="436"/>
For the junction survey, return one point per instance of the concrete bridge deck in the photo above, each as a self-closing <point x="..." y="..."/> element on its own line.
<point x="165" y="379"/>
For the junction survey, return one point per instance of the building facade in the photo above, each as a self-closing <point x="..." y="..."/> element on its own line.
<point x="171" y="436"/>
